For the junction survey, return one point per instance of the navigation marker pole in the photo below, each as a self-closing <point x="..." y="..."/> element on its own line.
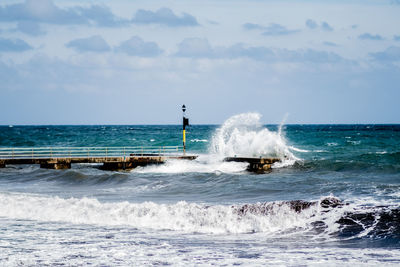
<point x="185" y="123"/>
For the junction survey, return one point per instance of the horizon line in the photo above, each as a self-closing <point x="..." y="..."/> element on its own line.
<point x="199" y="124"/>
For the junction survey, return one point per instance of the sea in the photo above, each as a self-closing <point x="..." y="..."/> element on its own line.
<point x="333" y="200"/>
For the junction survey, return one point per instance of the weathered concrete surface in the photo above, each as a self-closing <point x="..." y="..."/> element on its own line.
<point x="134" y="161"/>
<point x="56" y="164"/>
<point x="258" y="165"/>
<point x="109" y="163"/>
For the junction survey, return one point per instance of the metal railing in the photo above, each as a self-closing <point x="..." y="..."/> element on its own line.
<point x="86" y="152"/>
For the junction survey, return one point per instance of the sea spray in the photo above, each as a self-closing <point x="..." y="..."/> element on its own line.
<point x="328" y="216"/>
<point x="205" y="163"/>
<point x="86" y="216"/>
<point x="243" y="135"/>
<point x="180" y="216"/>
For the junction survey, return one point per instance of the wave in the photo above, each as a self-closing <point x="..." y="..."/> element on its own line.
<point x="203" y="164"/>
<point x="199" y="140"/>
<point x="298" y="149"/>
<point x="374" y="161"/>
<point x="243" y="135"/>
<point x="327" y="217"/>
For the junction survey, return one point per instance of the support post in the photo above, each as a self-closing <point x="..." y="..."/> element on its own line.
<point x="56" y="164"/>
<point x="185" y="123"/>
<point x="184" y="141"/>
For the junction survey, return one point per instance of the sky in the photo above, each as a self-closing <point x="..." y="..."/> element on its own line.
<point x="137" y="62"/>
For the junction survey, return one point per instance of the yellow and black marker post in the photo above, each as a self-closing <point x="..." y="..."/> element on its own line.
<point x="185" y="123"/>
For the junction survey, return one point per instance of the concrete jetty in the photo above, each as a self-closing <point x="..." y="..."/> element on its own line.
<point x="109" y="163"/>
<point x="111" y="158"/>
<point x="258" y="165"/>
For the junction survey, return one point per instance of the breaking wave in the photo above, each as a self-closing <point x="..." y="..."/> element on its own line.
<point x="328" y="216"/>
<point x="241" y="135"/>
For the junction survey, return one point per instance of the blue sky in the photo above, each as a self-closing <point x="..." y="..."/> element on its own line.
<point x="137" y="62"/>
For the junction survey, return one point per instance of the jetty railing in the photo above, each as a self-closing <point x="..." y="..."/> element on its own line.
<point x="86" y="152"/>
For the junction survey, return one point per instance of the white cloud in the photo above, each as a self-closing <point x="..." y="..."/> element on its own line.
<point x="272" y="29"/>
<point x="30" y="28"/>
<point x="368" y="36"/>
<point x="45" y="11"/>
<point x="326" y="27"/>
<point x="390" y="54"/>
<point x="200" y="48"/>
<point x="135" y="46"/>
<point x="94" y="43"/>
<point x="164" y="16"/>
<point x="14" y="45"/>
<point x="311" y="24"/>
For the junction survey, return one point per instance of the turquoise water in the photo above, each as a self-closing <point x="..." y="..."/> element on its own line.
<point x="208" y="211"/>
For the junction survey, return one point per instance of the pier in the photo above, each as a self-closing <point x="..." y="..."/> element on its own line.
<point x="112" y="158"/>
<point x="259" y="165"/>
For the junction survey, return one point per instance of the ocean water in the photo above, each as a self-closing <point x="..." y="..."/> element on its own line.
<point x="333" y="200"/>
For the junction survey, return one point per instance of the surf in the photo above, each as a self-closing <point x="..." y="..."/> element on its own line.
<point x="242" y="135"/>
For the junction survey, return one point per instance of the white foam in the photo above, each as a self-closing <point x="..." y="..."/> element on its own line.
<point x="203" y="164"/>
<point x="244" y="135"/>
<point x="298" y="149"/>
<point x="241" y="135"/>
<point x="354" y="142"/>
<point x="181" y="216"/>
<point x="199" y="140"/>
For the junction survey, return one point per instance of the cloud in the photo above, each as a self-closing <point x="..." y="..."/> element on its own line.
<point x="200" y="48"/>
<point x="276" y="29"/>
<point x="91" y="44"/>
<point x="368" y="36"/>
<point x="311" y="24"/>
<point x="13" y="45"/>
<point x="330" y="44"/>
<point x="396" y="37"/>
<point x="391" y="54"/>
<point x="30" y="28"/>
<point x="45" y="11"/>
<point x="253" y="26"/>
<point x="326" y="27"/>
<point x="100" y="16"/>
<point x="195" y="47"/>
<point x="135" y="46"/>
<point x="273" y="29"/>
<point x="164" y="16"/>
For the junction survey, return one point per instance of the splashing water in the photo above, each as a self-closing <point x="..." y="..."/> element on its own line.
<point x="243" y="135"/>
